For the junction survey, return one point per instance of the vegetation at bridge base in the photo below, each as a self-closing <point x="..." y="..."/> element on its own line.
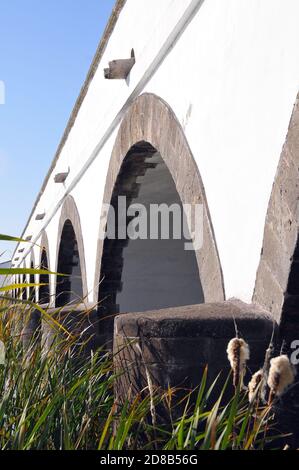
<point x="59" y="400"/>
<point x="55" y="401"/>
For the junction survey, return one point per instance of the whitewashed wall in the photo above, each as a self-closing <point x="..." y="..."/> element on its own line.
<point x="229" y="69"/>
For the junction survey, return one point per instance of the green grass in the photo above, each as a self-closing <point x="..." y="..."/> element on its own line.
<point x="55" y="401"/>
<point x="60" y="401"/>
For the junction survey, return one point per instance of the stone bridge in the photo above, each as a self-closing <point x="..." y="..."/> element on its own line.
<point x="187" y="102"/>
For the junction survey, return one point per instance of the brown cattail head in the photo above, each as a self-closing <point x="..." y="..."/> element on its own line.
<point x="254" y="383"/>
<point x="238" y="355"/>
<point x="281" y="375"/>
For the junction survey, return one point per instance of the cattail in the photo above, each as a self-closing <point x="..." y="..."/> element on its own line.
<point x="266" y="368"/>
<point x="254" y="383"/>
<point x="238" y="355"/>
<point x="281" y="375"/>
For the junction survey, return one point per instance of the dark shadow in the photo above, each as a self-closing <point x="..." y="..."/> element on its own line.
<point x="146" y="274"/>
<point x="44" y="291"/>
<point x="69" y="289"/>
<point x="32" y="296"/>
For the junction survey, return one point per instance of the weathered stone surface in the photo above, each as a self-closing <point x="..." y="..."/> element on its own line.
<point x="173" y="346"/>
<point x="214" y="320"/>
<point x="269" y="291"/>
<point x="279" y="265"/>
<point x="281" y="228"/>
<point x="287" y="181"/>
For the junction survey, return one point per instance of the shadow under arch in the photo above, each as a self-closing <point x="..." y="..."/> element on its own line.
<point x="44" y="291"/>
<point x="32" y="290"/>
<point x="277" y="281"/>
<point x="23" y="280"/>
<point x="70" y="257"/>
<point x="151" y="124"/>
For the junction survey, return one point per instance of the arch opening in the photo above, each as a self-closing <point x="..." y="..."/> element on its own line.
<point x="23" y="279"/>
<point x="44" y="290"/>
<point x="153" y="272"/>
<point x="18" y="291"/>
<point x="32" y="295"/>
<point x="69" y="288"/>
<point x="16" y="280"/>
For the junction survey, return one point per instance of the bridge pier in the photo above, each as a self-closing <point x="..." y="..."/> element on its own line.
<point x="174" y="345"/>
<point x="76" y="323"/>
<point x="31" y="331"/>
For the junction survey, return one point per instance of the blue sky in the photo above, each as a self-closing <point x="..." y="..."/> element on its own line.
<point x="46" y="48"/>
